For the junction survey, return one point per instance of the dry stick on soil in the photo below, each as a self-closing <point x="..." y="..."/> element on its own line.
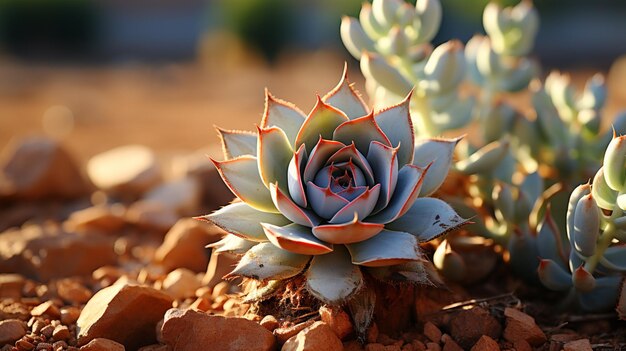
<point x="507" y="298"/>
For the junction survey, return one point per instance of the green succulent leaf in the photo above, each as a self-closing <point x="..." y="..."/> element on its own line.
<point x="284" y="115"/>
<point x="232" y="244"/>
<point x="354" y="37"/>
<point x="361" y="131"/>
<point x="296" y="238"/>
<point x="237" y="143"/>
<point x="395" y="122"/>
<point x="437" y="153"/>
<point x="265" y="261"/>
<point x="274" y="155"/>
<point x="243" y="221"/>
<point x="376" y="68"/>
<point x="344" y="97"/>
<point x="321" y="122"/>
<point x="385" y="249"/>
<point x="428" y="219"/>
<point x="241" y="175"/>
<point x="332" y="278"/>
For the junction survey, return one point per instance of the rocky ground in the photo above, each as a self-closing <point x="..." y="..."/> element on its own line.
<point x="102" y="254"/>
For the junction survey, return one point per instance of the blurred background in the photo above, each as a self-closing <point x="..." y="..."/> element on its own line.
<point x="102" y="73"/>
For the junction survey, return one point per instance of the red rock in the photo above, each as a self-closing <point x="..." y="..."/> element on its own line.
<point x="352" y="345"/>
<point x="47" y="308"/>
<point x="181" y="283"/>
<point x="183" y="196"/>
<point x="107" y="219"/>
<point x="36" y="168"/>
<point x="485" y="343"/>
<point x="189" y="330"/>
<point x="317" y="337"/>
<point x="285" y="333"/>
<point x="522" y="345"/>
<point x="11" y="330"/>
<point x="450" y="344"/>
<point x="338" y="320"/>
<point x="214" y="192"/>
<point x="127" y="314"/>
<point x="578" y="345"/>
<point x="126" y="170"/>
<point x="432" y="332"/>
<point x="183" y="246"/>
<point x="155" y="347"/>
<point x="11" y="286"/>
<point x="151" y="216"/>
<point x="45" y="253"/>
<point x="432" y="346"/>
<point x="467" y="326"/>
<point x="61" y="332"/>
<point x="375" y="347"/>
<point x="269" y="322"/>
<point x="520" y="326"/>
<point x="102" y="344"/>
<point x="72" y="291"/>
<point x="69" y="315"/>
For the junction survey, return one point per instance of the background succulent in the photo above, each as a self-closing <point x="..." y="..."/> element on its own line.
<point x="332" y="196"/>
<point x="391" y="40"/>
<point x="592" y="264"/>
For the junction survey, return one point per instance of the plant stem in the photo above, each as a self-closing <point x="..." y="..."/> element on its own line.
<point x="605" y="240"/>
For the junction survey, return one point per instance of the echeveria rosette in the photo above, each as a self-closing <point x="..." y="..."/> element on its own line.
<point x="334" y="192"/>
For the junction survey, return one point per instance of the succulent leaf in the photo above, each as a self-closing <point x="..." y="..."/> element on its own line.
<point x="576" y="195"/>
<point x="615" y="163"/>
<point x="586" y="225"/>
<point x="332" y="278"/>
<point x="384" y="162"/>
<point x="324" y="201"/>
<point x="395" y="122"/>
<point x="274" y="155"/>
<point x="347" y="233"/>
<point x="603" y="297"/>
<point x="241" y="175"/>
<point x="321" y="122"/>
<point x="282" y="114"/>
<point x="614" y="258"/>
<point x="243" y="221"/>
<point x="350" y="153"/>
<point x="376" y="68"/>
<point x="438" y="153"/>
<point x="232" y="244"/>
<point x="408" y="187"/>
<point x="322" y="151"/>
<point x="291" y="210"/>
<point x="360" y="207"/>
<point x="485" y="159"/>
<point x="354" y="37"/>
<point x="296" y="238"/>
<point x="553" y="276"/>
<point x="602" y="193"/>
<point x="361" y="131"/>
<point x="237" y="143"/>
<point x="346" y="98"/>
<point x="583" y="280"/>
<point x="428" y="219"/>
<point x="385" y="249"/>
<point x="265" y="261"/>
<point x="621" y="302"/>
<point x="295" y="172"/>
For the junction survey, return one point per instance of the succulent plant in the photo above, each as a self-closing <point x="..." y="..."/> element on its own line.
<point x="592" y="266"/>
<point x="391" y="39"/>
<point x="332" y="196"/>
